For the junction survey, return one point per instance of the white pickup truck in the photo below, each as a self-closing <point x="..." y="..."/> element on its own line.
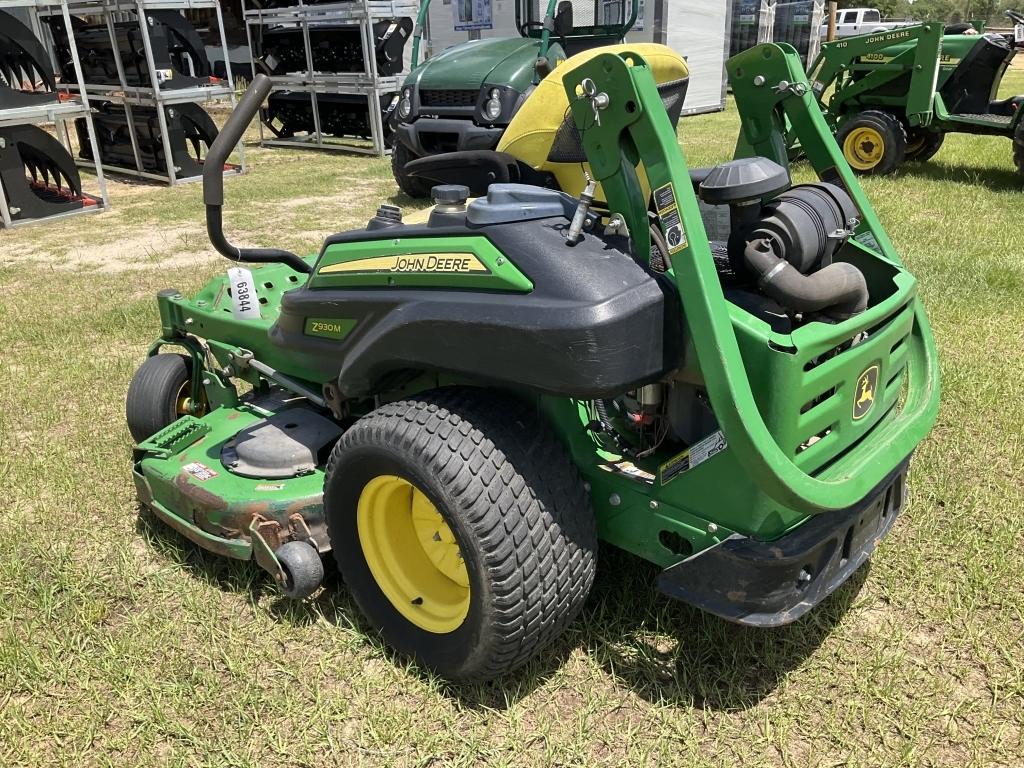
<point x="860" y="21"/>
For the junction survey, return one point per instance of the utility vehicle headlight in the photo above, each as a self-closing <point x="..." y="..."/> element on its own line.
<point x="492" y="107"/>
<point x="405" y="105"/>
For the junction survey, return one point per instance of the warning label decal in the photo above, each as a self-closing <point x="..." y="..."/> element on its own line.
<point x="199" y="471"/>
<point x="693" y="456"/>
<point x="668" y="212"/>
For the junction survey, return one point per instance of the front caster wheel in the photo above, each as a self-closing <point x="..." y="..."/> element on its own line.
<point x="158" y="394"/>
<point x="303" y="569"/>
<point x="461" y="528"/>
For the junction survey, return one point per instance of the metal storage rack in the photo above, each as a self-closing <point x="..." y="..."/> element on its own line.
<point x="58" y="113"/>
<point x="152" y="95"/>
<point x="367" y="83"/>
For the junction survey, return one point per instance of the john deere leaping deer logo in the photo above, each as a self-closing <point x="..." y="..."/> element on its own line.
<point x="864" y="397"/>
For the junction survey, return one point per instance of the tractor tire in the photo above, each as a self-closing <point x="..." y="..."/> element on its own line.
<point x="1018" y="149"/>
<point x="157" y="394"/>
<point x="462" y="530"/>
<point x="412" y="186"/>
<point x="873" y="142"/>
<point x="922" y="144"/>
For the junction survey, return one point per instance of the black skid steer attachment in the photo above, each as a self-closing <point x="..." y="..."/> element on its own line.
<point x="39" y="177"/>
<point x="26" y="78"/>
<point x="191" y="131"/>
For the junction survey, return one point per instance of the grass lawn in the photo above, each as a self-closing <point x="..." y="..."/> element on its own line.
<point x="123" y="644"/>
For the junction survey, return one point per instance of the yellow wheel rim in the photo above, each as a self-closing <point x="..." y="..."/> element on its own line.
<point x="412" y="554"/>
<point x="863" y="148"/>
<point x="915" y="143"/>
<point x="183" y="403"/>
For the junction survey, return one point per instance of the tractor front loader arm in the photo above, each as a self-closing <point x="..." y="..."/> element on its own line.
<point x="616" y="106"/>
<point x="921" y="60"/>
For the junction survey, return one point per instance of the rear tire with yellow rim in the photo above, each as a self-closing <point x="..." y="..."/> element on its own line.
<point x="873" y="142"/>
<point x="461" y="528"/>
<point x="922" y="144"/>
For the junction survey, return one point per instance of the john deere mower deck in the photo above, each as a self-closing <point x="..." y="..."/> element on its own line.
<point x="459" y="409"/>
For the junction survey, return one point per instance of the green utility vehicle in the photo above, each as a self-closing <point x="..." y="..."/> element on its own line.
<point x="464" y="97"/>
<point x="458" y="410"/>
<point x="893" y="96"/>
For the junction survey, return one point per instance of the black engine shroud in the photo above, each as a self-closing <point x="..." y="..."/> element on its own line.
<point x="596" y="324"/>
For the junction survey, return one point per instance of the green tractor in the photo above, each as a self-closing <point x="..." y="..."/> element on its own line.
<point x="463" y="98"/>
<point x="458" y="410"/>
<point x="893" y="96"/>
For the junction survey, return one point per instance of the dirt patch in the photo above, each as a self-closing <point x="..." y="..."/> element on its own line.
<point x="179" y="246"/>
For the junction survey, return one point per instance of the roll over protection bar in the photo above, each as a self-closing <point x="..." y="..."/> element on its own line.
<point x="213" y="181"/>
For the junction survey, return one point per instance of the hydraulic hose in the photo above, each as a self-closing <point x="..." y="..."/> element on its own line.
<point x="838" y="290"/>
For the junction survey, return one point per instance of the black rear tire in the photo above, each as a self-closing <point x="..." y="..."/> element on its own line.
<point x="1018" y="149"/>
<point x="401" y="156"/>
<point x="873" y="142"/>
<point x="922" y="144"/>
<point x="154" y="395"/>
<point x="510" y="497"/>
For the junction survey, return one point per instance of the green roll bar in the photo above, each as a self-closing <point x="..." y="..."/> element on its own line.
<point x="632" y="127"/>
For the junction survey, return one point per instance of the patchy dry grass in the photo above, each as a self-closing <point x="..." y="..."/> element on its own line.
<point x="121" y="644"/>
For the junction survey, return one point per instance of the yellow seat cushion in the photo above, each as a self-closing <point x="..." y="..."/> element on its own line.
<point x="544" y="117"/>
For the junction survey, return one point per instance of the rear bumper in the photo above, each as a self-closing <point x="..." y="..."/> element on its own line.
<point x="771" y="583"/>
<point x="429" y="136"/>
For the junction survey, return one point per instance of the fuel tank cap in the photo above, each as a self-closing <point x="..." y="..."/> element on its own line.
<point x="450" y="194"/>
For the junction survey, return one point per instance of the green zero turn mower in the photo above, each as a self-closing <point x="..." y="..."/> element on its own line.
<point x="893" y="96"/>
<point x="459" y="410"/>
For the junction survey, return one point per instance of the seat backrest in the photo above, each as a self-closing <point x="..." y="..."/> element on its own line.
<point x="543" y="135"/>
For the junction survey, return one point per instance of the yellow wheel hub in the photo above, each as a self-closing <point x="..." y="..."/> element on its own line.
<point x="863" y="148"/>
<point x="412" y="554"/>
<point x="183" y="403"/>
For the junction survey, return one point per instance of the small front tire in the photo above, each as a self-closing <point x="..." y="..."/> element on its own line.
<point x="303" y="569"/>
<point x="158" y="394"/>
<point x="873" y="142"/>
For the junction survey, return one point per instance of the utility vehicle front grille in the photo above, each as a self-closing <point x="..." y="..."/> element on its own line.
<point x="448" y="98"/>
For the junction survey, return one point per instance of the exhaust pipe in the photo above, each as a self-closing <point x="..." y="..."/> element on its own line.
<point x="213" y="181"/>
<point x="838" y="290"/>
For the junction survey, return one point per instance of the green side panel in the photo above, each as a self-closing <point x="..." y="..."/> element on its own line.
<point x="192" y="490"/>
<point x="209" y="315"/>
<point x="419" y="262"/>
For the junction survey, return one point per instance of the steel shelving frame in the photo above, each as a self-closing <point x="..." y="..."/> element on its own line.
<point x="57" y="113"/>
<point x="152" y="95"/>
<point x="367" y="83"/>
